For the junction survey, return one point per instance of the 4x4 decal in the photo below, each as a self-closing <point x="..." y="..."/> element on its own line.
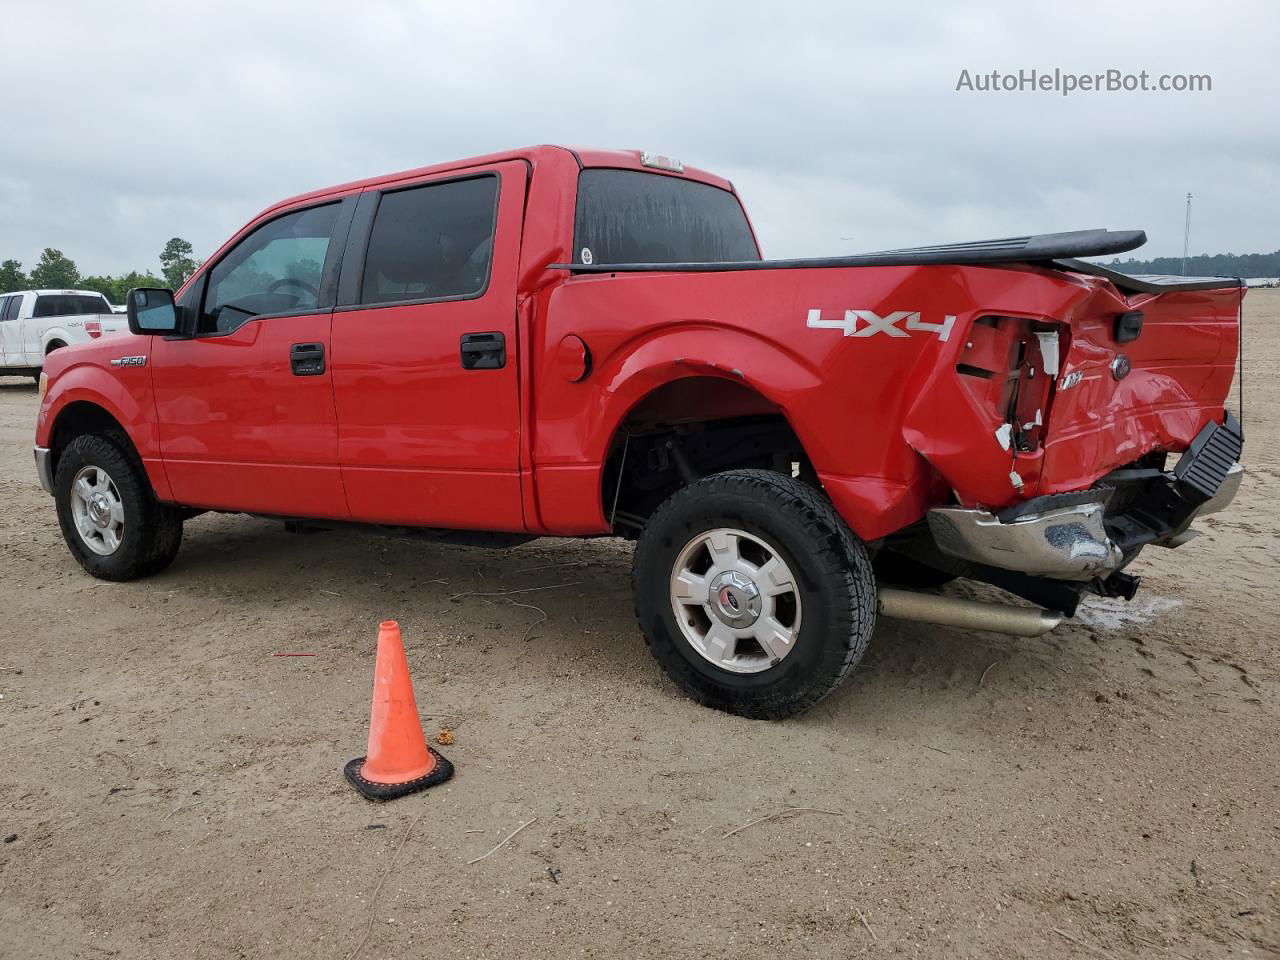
<point x="873" y="323"/>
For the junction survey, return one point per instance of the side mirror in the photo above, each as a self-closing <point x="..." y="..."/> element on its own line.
<point x="151" y="310"/>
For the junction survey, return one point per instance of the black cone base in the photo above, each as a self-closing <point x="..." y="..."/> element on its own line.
<point x="441" y="772"/>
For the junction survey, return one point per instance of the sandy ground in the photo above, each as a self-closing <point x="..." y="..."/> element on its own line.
<point x="169" y="788"/>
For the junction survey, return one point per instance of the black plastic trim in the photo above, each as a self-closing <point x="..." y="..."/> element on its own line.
<point x="1146" y="283"/>
<point x="1054" y="501"/>
<point x="1043" y="247"/>
<point x="1128" y="326"/>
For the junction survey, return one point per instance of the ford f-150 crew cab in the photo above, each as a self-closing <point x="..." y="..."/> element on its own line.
<point x="34" y="323"/>
<point x="551" y="342"/>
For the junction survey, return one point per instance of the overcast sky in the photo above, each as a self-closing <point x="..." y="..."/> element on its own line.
<point x="840" y="123"/>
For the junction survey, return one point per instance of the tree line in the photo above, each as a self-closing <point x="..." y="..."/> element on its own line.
<point x="56" y="271"/>
<point x="1205" y="265"/>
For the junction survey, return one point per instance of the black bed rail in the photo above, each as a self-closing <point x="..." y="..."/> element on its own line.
<point x="1037" y="248"/>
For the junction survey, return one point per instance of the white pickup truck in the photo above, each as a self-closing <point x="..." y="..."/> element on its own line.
<point x="34" y="323"/>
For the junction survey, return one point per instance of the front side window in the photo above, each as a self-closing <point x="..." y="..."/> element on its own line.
<point x="4" y="307"/>
<point x="68" y="305"/>
<point x="432" y="243"/>
<point x="626" y="216"/>
<point x="275" y="269"/>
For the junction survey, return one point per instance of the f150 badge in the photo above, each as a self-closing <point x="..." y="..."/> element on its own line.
<point x="867" y="323"/>
<point x="129" y="362"/>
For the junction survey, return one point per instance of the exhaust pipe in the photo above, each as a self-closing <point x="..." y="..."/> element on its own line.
<point x="966" y="614"/>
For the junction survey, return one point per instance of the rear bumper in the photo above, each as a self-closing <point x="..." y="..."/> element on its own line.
<point x="44" y="469"/>
<point x="1067" y="543"/>
<point x="1093" y="533"/>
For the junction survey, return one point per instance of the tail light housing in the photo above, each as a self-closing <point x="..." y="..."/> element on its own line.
<point x="93" y="328"/>
<point x="1009" y="364"/>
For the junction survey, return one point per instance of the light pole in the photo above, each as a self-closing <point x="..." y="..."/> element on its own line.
<point x="1186" y="236"/>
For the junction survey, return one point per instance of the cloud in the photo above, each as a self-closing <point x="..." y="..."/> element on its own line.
<point x="839" y="124"/>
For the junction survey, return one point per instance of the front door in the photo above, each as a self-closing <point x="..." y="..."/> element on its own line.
<point x="424" y="352"/>
<point x="245" y="405"/>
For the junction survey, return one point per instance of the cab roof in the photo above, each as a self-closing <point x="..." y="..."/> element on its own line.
<point x="52" y="292"/>
<point x="585" y="157"/>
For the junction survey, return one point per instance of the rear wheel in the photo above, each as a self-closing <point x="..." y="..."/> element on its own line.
<point x="110" y="520"/>
<point x="753" y="594"/>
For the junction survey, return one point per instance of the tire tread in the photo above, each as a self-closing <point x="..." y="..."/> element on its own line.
<point x="838" y="547"/>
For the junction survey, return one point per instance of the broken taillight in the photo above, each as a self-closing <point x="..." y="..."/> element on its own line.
<point x="1009" y="365"/>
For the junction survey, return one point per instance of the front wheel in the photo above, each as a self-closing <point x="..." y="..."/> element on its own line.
<point x="110" y="520"/>
<point x="753" y="594"/>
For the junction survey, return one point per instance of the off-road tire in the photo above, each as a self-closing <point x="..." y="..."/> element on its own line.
<point x="898" y="570"/>
<point x="832" y="571"/>
<point x="152" y="530"/>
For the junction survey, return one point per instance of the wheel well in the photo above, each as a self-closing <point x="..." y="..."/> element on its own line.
<point x="80" y="418"/>
<point x="686" y="430"/>
<point x="53" y="345"/>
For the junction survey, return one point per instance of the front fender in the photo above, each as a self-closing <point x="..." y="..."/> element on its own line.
<point x="82" y="376"/>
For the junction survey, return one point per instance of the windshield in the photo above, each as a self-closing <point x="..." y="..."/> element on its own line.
<point x="68" y="305"/>
<point x="626" y="216"/>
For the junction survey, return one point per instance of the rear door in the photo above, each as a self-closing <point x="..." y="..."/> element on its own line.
<point x="245" y="405"/>
<point x="424" y="348"/>
<point x="11" y="354"/>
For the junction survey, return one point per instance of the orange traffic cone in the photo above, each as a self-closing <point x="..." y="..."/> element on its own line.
<point x="399" y="760"/>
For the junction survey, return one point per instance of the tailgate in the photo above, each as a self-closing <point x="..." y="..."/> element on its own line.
<point x="1142" y="371"/>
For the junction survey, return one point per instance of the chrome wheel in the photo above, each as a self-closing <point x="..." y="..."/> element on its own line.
<point x="97" y="510"/>
<point x="735" y="600"/>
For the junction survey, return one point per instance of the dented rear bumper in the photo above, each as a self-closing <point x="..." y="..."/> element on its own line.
<point x="1093" y="533"/>
<point x="1066" y="543"/>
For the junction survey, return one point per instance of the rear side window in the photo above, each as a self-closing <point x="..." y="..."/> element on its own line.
<point x="68" y="305"/>
<point x="275" y="269"/>
<point x="432" y="243"/>
<point x="626" y="216"/>
<point x="5" y="303"/>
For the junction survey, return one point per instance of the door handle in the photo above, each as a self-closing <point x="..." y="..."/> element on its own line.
<point x="306" y="359"/>
<point x="483" y="351"/>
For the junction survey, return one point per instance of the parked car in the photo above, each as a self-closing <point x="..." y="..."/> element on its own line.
<point x="34" y="323"/>
<point x="551" y="342"/>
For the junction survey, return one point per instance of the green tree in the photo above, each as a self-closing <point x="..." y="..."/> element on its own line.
<point x="12" y="277"/>
<point x="54" y="270"/>
<point x="127" y="281"/>
<point x="115" y="288"/>
<point x="103" y="285"/>
<point x="177" y="263"/>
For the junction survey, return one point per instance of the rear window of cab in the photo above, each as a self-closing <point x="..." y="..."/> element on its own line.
<point x="628" y="216"/>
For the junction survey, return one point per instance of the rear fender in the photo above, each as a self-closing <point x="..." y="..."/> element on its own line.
<point x="572" y="443"/>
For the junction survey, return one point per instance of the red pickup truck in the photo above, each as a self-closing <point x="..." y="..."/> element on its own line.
<point x="588" y="343"/>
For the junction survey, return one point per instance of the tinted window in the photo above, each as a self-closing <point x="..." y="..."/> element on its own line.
<point x="68" y="305"/>
<point x="431" y="242"/>
<point x="275" y="269"/>
<point x="625" y="216"/>
<point x="4" y="307"/>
